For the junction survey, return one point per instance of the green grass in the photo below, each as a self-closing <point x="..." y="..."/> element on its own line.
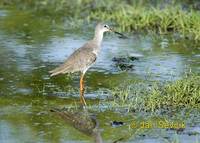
<point x="179" y="95"/>
<point x="127" y="16"/>
<point x="156" y="20"/>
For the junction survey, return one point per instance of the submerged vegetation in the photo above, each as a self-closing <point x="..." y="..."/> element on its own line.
<point x="128" y="15"/>
<point x="181" y="94"/>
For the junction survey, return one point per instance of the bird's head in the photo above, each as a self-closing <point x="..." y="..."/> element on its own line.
<point x="105" y="28"/>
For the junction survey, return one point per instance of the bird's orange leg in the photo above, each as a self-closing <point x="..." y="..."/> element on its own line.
<point x="82" y="91"/>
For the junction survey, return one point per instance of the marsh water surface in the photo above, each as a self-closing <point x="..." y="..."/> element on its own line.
<point x="30" y="46"/>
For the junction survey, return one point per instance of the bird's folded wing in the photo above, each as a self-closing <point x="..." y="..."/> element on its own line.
<point x="78" y="61"/>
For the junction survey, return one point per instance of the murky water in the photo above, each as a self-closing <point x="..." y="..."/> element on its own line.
<point x="30" y="46"/>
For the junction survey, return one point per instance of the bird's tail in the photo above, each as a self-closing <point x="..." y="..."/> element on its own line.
<point x="58" y="70"/>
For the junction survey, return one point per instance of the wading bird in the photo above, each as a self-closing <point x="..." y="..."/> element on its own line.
<point x="82" y="59"/>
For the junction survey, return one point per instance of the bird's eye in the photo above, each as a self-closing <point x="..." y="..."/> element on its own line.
<point x="106" y="26"/>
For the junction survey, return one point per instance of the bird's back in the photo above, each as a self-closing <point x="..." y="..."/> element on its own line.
<point x="80" y="60"/>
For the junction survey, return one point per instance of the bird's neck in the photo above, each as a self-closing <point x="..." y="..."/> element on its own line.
<point x="98" y="37"/>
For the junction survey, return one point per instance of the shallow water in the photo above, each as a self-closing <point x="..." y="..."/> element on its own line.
<point x="30" y="46"/>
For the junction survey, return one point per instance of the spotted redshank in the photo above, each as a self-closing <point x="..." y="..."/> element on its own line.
<point x="82" y="59"/>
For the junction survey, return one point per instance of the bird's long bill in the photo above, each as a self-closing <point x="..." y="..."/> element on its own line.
<point x="122" y="35"/>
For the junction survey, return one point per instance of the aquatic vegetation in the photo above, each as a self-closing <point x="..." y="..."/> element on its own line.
<point x="181" y="94"/>
<point x="125" y="15"/>
<point x="162" y="21"/>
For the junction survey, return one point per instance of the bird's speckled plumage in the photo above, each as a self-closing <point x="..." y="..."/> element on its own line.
<point x="78" y="61"/>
